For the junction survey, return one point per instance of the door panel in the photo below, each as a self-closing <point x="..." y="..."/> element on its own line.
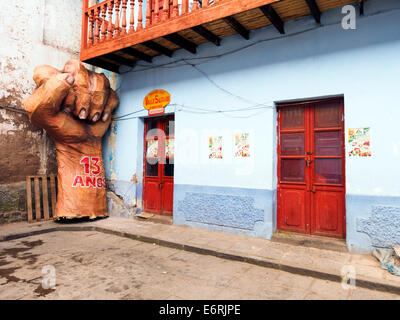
<point x="159" y="165"/>
<point x="292" y="187"/>
<point x="293" y="209"/>
<point x="328" y="143"/>
<point x="292" y="170"/>
<point x="328" y="171"/>
<point x="292" y="117"/>
<point x="152" y="199"/>
<point x="292" y="144"/>
<point x="167" y="196"/>
<point x="328" y="206"/>
<point x="311" y="181"/>
<point x="328" y="114"/>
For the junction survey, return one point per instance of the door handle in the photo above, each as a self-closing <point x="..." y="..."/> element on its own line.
<point x="160" y="185"/>
<point x="313" y="189"/>
<point x="308" y="162"/>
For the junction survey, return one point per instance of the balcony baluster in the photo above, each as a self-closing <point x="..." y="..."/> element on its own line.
<point x="175" y="9"/>
<point x="132" y="17"/>
<point x="117" y="29"/>
<point x="140" y="16"/>
<point x="165" y="10"/>
<point x="109" y="24"/>
<point x="185" y="6"/>
<point x="195" y="5"/>
<point x="90" y="43"/>
<point x="148" y="15"/>
<point x="97" y="25"/>
<point x="156" y="12"/>
<point x="123" y="22"/>
<point x="103" y="22"/>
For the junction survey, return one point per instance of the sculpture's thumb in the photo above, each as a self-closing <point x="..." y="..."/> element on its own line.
<point x="46" y="100"/>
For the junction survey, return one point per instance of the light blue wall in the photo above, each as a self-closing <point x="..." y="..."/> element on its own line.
<point x="308" y="61"/>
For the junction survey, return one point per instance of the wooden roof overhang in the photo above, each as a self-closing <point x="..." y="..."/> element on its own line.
<point x="110" y="45"/>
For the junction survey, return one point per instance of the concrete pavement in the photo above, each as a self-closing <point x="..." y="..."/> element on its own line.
<point x="298" y="260"/>
<point x="94" y="265"/>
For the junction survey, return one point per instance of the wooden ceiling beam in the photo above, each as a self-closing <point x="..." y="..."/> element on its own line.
<point x="272" y="16"/>
<point x="316" y="13"/>
<point x="361" y="6"/>
<point x="207" y="34"/>
<point x="136" y="54"/>
<point x="235" y="25"/>
<point x="119" y="60"/>
<point x="159" y="48"/>
<point x="97" y="62"/>
<point x="182" y="42"/>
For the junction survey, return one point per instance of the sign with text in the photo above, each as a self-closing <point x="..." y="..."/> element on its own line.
<point x="156" y="101"/>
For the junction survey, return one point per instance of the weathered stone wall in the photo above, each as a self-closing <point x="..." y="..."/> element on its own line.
<point x="32" y="32"/>
<point x="13" y="202"/>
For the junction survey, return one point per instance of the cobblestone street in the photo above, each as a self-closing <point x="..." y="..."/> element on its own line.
<point x="93" y="265"/>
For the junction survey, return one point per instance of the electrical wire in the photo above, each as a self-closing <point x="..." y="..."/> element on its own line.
<point x="199" y="111"/>
<point x="191" y="62"/>
<point x="217" y="56"/>
<point x="247" y="46"/>
<point x="14" y="109"/>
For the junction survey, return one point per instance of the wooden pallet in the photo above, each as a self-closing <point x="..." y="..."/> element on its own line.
<point x="41" y="195"/>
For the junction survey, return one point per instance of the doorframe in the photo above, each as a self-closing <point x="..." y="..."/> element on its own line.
<point x="276" y="167"/>
<point x="168" y="115"/>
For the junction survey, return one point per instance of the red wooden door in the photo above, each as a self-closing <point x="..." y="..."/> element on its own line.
<point x="159" y="165"/>
<point x="311" y="180"/>
<point x="160" y="10"/>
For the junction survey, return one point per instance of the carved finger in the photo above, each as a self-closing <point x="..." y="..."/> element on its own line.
<point x="99" y="128"/>
<point x="43" y="73"/>
<point x="81" y="88"/>
<point x="45" y="101"/>
<point x="100" y="91"/>
<point x="112" y="103"/>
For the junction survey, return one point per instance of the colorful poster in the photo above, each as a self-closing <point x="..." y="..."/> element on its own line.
<point x="152" y="149"/>
<point x="169" y="148"/>
<point x="242" y="145"/>
<point x="215" y="148"/>
<point x="359" y="142"/>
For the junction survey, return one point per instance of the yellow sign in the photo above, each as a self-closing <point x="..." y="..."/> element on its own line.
<point x="156" y="101"/>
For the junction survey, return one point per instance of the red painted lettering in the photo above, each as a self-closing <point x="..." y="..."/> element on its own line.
<point x="91" y="182"/>
<point x="78" y="180"/>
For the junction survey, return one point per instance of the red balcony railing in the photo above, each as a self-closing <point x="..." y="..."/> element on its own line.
<point x="115" y="24"/>
<point x="121" y="32"/>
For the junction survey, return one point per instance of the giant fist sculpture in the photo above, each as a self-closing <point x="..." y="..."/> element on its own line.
<point x="74" y="106"/>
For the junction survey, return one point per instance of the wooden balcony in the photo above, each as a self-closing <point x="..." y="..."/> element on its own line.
<point x="115" y="32"/>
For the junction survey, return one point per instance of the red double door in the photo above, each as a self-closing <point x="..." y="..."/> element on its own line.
<point x="311" y="168"/>
<point x="158" y="159"/>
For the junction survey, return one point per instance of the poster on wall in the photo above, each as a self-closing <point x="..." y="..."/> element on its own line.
<point x="169" y="148"/>
<point x="359" y="142"/>
<point x="242" y="145"/>
<point x="152" y="149"/>
<point x="215" y="147"/>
